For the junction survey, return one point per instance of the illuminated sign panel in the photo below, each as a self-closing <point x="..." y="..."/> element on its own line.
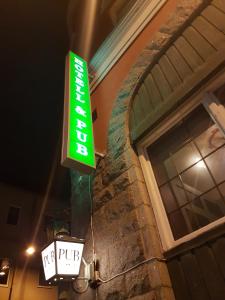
<point x="62" y="259"/>
<point x="78" y="143"/>
<point x="48" y="260"/>
<point x="68" y="258"/>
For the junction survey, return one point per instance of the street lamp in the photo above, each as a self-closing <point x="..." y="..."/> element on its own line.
<point x="62" y="258"/>
<point x="30" y="250"/>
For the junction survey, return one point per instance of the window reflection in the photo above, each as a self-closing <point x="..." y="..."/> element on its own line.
<point x="4" y="271"/>
<point x="197" y="180"/>
<point x="209" y="140"/>
<point x="189" y="163"/>
<point x="216" y="164"/>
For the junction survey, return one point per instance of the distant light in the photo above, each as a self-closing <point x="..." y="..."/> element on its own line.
<point x="61" y="278"/>
<point x="49" y="283"/>
<point x="2" y="273"/>
<point x="30" y="250"/>
<point x="55" y="279"/>
<point x="5" y="267"/>
<point x="73" y="278"/>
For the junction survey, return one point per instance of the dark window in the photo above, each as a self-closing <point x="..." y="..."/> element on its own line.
<point x="188" y="163"/>
<point x="13" y="215"/>
<point x="94" y="115"/>
<point x="4" y="271"/>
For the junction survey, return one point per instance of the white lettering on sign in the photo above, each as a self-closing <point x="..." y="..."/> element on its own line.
<point x="68" y="257"/>
<point x="81" y="149"/>
<point x="79" y="84"/>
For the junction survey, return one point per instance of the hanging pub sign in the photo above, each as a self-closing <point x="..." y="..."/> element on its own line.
<point x="78" y="143"/>
<point x="62" y="258"/>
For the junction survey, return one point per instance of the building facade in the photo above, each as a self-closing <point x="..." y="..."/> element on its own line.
<point x="21" y="276"/>
<point x="157" y="224"/>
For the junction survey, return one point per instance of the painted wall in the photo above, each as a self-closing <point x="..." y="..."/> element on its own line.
<point x="105" y="94"/>
<point x="13" y="242"/>
<point x="25" y="287"/>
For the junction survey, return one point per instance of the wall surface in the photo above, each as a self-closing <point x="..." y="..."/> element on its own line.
<point x="124" y="234"/>
<point x="25" y="286"/>
<point x="104" y="96"/>
<point x="13" y="242"/>
<point x="199" y="272"/>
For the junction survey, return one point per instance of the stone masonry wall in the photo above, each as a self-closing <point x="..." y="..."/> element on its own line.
<point x="124" y="226"/>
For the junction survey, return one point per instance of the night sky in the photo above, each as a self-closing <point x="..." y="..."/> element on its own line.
<point x="34" y="43"/>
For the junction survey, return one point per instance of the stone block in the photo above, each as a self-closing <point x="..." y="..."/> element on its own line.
<point x="99" y="220"/>
<point x="104" y="262"/>
<point x="148" y="296"/>
<point x="158" y="274"/>
<point x="145" y="216"/>
<point x="97" y="184"/>
<point x="129" y="223"/>
<point x="165" y="293"/>
<point x="126" y="253"/>
<point x="151" y="242"/>
<point x="135" y="173"/>
<point x="114" y="168"/>
<point x="121" y="182"/>
<point x="100" y="165"/>
<point x="137" y="282"/>
<point x="183" y="11"/>
<point x="113" y="290"/>
<point x="116" y="209"/>
<point x="117" y="142"/>
<point x="102" y="197"/>
<point x="117" y="122"/>
<point x="138" y="193"/>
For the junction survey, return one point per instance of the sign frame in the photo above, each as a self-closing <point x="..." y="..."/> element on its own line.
<point x="61" y="276"/>
<point x="78" y="150"/>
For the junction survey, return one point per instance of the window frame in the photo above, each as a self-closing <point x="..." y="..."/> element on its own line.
<point x="203" y="97"/>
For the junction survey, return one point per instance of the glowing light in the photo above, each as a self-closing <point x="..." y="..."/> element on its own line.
<point x="2" y="273"/>
<point x="30" y="250"/>
<point x="201" y="165"/>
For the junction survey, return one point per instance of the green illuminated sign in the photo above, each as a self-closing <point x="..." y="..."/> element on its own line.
<point x="78" y="143"/>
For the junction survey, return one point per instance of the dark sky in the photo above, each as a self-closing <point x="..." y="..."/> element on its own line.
<point x="34" y="43"/>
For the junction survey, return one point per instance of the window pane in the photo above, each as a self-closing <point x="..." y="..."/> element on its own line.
<point x="168" y="198"/>
<point x="185" y="157"/>
<point x="178" y="224"/>
<point x="179" y="191"/>
<point x="13" y="215"/>
<point x="197" y="179"/>
<point x="210" y="140"/>
<point x="186" y="181"/>
<point x="209" y="207"/>
<point x="222" y="189"/>
<point x="220" y="94"/>
<point x="161" y="154"/>
<point x="198" y="122"/>
<point x="216" y="164"/>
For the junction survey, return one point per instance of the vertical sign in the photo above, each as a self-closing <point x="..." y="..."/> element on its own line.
<point x="78" y="143"/>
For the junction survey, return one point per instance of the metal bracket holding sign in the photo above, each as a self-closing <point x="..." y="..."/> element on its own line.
<point x="78" y="142"/>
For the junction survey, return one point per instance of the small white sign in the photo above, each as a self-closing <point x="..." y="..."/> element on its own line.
<point x="48" y="259"/>
<point x="68" y="257"/>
